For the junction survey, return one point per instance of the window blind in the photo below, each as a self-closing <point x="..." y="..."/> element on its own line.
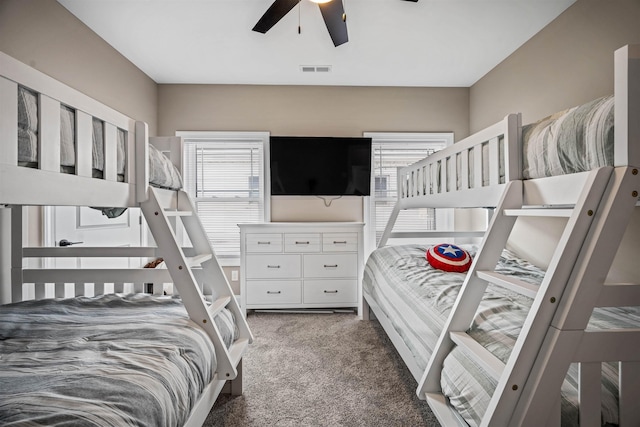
<point x="391" y="152"/>
<point x="224" y="176"/>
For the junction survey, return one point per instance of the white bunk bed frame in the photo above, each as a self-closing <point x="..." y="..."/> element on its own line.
<point x="598" y="206"/>
<point x="194" y="271"/>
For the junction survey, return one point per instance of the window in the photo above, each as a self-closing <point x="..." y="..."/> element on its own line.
<point x="391" y="151"/>
<point x="223" y="173"/>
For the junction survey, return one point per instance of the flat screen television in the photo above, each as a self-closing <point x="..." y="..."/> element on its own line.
<point x="320" y="166"/>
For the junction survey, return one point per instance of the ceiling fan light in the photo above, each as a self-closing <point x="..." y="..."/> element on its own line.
<point x="320" y="1"/>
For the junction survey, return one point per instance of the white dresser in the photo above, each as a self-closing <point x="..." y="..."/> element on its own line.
<point x="301" y="265"/>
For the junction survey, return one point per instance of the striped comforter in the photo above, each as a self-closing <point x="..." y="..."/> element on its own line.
<point x="418" y="298"/>
<point x="575" y="140"/>
<point x="103" y="361"/>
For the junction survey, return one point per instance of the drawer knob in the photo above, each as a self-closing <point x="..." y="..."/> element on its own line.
<point x="302" y="243"/>
<point x="331" y="266"/>
<point x="264" y="243"/>
<point x="331" y="292"/>
<point x="274" y="292"/>
<point x="340" y="242"/>
<point x="273" y="266"/>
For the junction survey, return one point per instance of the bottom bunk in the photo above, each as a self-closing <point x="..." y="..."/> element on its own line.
<point x="106" y="360"/>
<point x="412" y="300"/>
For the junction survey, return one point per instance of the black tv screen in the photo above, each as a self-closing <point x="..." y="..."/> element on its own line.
<point x="320" y="166"/>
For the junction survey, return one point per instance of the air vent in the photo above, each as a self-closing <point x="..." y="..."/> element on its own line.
<point x="315" y="68"/>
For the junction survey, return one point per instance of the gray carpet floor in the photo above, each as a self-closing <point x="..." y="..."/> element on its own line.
<point x="321" y="370"/>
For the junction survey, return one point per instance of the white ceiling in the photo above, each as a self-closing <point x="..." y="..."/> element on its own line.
<point x="391" y="42"/>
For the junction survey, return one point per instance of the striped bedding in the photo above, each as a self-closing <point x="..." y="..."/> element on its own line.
<point x="418" y="298"/>
<point x="109" y="360"/>
<point x="575" y="140"/>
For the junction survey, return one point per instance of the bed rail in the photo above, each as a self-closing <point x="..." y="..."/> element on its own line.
<point x="468" y="174"/>
<point x="44" y="180"/>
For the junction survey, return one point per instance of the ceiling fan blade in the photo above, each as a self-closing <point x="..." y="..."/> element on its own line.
<point x="333" y="13"/>
<point x="275" y="13"/>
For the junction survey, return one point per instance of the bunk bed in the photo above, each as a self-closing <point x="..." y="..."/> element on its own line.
<point x="89" y="346"/>
<point x="508" y="343"/>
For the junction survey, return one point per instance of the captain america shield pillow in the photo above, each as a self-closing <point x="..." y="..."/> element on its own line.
<point x="448" y="257"/>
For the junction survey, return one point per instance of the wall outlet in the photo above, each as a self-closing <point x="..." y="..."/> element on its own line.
<point x="234" y="275"/>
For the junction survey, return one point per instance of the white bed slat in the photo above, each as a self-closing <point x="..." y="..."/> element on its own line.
<point x="17" y="277"/>
<point x="110" y="152"/>
<point x="89" y="275"/>
<point x="590" y="393"/>
<point x="443" y="412"/>
<point x="477" y="166"/>
<point x="494" y="162"/>
<point x="84" y="144"/>
<point x="48" y="133"/>
<point x="8" y="122"/>
<point x="619" y="295"/>
<point x="98" y="289"/>
<point x="481" y="355"/>
<point x="549" y="212"/>
<point x="507" y="282"/>
<point x="141" y="167"/>
<point x="627" y="106"/>
<point x="629" y="392"/>
<point x="39" y="291"/>
<point x="464" y="172"/>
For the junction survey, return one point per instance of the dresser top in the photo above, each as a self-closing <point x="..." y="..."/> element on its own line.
<point x="301" y="225"/>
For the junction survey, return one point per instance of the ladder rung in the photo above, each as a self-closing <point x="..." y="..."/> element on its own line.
<point x="517" y="285"/>
<point x="173" y="212"/>
<point x="619" y="295"/>
<point x="485" y="358"/>
<point x="445" y="414"/>
<point x="199" y="259"/>
<point x="540" y="212"/>
<point x="237" y="349"/>
<point x="218" y="305"/>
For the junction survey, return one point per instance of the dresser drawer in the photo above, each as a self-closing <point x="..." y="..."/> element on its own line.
<point x="330" y="265"/>
<point x="340" y="242"/>
<point x="276" y="266"/>
<point x="302" y="242"/>
<point x="264" y="242"/>
<point x="268" y="292"/>
<point x="330" y="291"/>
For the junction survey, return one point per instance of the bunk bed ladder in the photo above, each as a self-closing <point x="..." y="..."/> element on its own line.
<point x="201" y="308"/>
<point x="512" y="375"/>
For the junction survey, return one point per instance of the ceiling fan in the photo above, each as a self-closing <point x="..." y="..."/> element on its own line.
<point x="332" y="12"/>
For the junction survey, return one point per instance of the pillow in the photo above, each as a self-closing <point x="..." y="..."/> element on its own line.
<point x="448" y="257"/>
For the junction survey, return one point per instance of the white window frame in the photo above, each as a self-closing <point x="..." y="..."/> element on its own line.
<point x="239" y="137"/>
<point x="439" y="140"/>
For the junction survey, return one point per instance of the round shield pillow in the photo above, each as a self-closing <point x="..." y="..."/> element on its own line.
<point x="448" y="257"/>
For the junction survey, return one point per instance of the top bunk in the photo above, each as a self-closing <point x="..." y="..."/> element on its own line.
<point x="474" y="171"/>
<point x="59" y="146"/>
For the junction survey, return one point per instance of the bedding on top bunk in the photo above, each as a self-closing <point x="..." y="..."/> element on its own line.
<point x="417" y="299"/>
<point x="162" y="173"/>
<point x="108" y="360"/>
<point x="575" y="140"/>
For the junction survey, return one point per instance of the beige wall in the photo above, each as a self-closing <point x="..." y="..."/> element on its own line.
<point x="44" y="35"/>
<point x="313" y="110"/>
<point x="567" y="63"/>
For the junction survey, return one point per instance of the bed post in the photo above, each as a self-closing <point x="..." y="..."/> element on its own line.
<point x="627" y="106"/>
<point x="5" y="255"/>
<point x="142" y="161"/>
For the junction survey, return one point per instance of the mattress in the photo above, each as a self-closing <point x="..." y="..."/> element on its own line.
<point x="108" y="360"/>
<point x="417" y="299"/>
<point x="162" y="173"/>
